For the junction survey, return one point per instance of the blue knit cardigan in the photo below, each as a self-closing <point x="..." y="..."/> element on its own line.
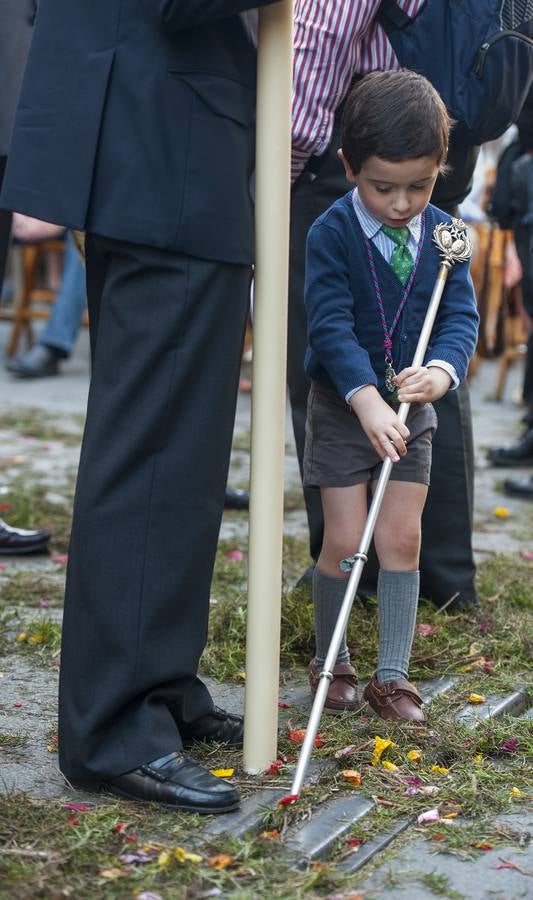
<point x="345" y="334"/>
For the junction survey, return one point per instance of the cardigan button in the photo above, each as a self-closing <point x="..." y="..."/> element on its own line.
<point x="404" y="338"/>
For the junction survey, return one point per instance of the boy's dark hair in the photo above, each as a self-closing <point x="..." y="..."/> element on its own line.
<point x="396" y="116"/>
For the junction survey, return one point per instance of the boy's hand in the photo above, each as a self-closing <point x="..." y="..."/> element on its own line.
<point x="380" y="423"/>
<point x="421" y="385"/>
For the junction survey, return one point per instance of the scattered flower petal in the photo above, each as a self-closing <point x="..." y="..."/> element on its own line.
<point x="43" y="603"/>
<point x="235" y="555"/>
<point x="353" y="842"/>
<point x="297" y="737"/>
<point x="439" y="836"/>
<point x="501" y="512"/>
<point x="271" y="835"/>
<point x="21" y="637"/>
<point x="4" y="507"/>
<point x="476" y="698"/>
<point x="221" y="861"/>
<point x="61" y="559"/>
<point x="352" y="776"/>
<point x="345" y="751"/>
<point x="389" y="765"/>
<point x="483" y="846"/>
<point x="414" y="756"/>
<point x="241" y="676"/>
<point x="526" y="554"/>
<point x="78" y="807"/>
<point x="284" y="705"/>
<point x="18" y="705"/>
<point x="149" y="895"/>
<point x="222" y="773"/>
<point x="430" y="815"/>
<point x="439" y="770"/>
<point x="274" y="768"/>
<point x="380" y="745"/>
<point x="425" y="630"/>
<point x="120" y="826"/>
<point x="510" y="744"/>
<point x="112" y="874"/>
<point x="516" y="793"/>
<point x="286" y="801"/>
<point x="140" y="856"/>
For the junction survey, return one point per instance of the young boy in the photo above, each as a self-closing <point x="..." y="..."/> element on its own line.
<point x="371" y="268"/>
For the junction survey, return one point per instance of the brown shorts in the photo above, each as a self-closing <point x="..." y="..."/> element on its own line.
<point x="339" y="454"/>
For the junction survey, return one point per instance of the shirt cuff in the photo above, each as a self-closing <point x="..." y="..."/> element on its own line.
<point x="351" y="393"/>
<point x="441" y="364"/>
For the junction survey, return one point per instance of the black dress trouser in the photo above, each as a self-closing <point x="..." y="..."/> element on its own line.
<point x="166" y="338"/>
<point x="446" y="560"/>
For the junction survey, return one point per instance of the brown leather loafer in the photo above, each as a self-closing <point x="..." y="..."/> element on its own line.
<point x="395" y="700"/>
<point x="342" y="694"/>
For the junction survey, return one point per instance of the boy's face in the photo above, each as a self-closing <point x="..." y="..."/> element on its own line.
<point x="394" y="192"/>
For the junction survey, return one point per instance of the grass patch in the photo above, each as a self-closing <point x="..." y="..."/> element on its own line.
<point x="120" y="850"/>
<point x="40" y="425"/>
<point x="13" y="740"/>
<point x="495" y="642"/>
<point x="32" y="588"/>
<point x="41" y="638"/>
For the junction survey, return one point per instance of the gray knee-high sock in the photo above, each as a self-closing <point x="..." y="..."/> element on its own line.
<point x="328" y="594"/>
<point x="397" y="605"/>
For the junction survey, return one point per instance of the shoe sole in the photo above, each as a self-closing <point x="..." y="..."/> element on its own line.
<point x="104" y="787"/>
<point x="21" y="551"/>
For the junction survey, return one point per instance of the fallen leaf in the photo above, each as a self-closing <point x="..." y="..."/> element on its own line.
<point x="221" y="861"/>
<point x="380" y="745"/>
<point x="352" y="776"/>
<point x="222" y="773"/>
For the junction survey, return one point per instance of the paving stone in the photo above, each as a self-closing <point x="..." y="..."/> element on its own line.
<point x="249" y="817"/>
<point x="335" y="818"/>
<point x="368" y="851"/>
<point x="510" y="705"/>
<point x="473" y="879"/>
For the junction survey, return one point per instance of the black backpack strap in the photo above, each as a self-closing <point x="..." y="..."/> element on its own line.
<point x="391" y="17"/>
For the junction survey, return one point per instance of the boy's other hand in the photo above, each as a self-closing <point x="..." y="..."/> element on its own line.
<point x="422" y="385"/>
<point x="380" y="423"/>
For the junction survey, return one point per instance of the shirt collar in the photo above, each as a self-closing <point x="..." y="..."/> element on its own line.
<point x="371" y="226"/>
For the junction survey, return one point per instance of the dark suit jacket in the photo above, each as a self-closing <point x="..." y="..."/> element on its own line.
<point x="136" y="122"/>
<point x="16" y="21"/>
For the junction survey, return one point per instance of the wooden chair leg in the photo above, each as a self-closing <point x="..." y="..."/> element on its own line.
<point x="28" y="260"/>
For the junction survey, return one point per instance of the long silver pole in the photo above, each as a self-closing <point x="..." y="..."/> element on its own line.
<point x="360" y="558"/>
<point x="274" y="88"/>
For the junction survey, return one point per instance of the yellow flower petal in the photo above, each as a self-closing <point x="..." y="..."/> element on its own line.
<point x="516" y="793"/>
<point x="112" y="873"/>
<point x="389" y="765"/>
<point x="501" y="512"/>
<point x="37" y="638"/>
<point x="164" y="859"/>
<point x="183" y="855"/>
<point x="222" y="773"/>
<point x="352" y="776"/>
<point x="22" y="636"/>
<point x="380" y="745"/>
<point x="478" y="757"/>
<point x="439" y="770"/>
<point x="476" y="698"/>
<point x="414" y="756"/>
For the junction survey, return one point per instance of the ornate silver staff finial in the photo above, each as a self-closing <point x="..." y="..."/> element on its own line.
<point x="453" y="242"/>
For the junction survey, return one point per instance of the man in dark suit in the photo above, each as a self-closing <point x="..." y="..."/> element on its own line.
<point x="136" y="125"/>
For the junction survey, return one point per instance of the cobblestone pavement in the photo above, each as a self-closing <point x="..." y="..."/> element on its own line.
<point x="63" y="399"/>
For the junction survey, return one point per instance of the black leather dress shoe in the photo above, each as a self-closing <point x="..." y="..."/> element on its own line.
<point x="519" y="487"/>
<point x="175" y="781"/>
<point x="18" y="540"/>
<point x="38" y="362"/>
<point x="519" y="454"/>
<point x="236" y="499"/>
<point x="218" y="727"/>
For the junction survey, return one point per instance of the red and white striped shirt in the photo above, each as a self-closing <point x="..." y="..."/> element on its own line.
<point x="333" y="40"/>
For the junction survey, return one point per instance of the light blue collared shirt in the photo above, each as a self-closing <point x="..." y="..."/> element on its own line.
<point x="371" y="228"/>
